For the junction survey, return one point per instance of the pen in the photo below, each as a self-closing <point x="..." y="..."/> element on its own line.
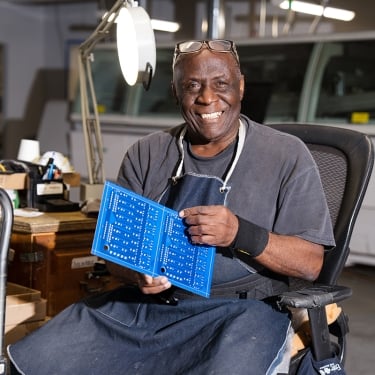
<point x="50" y="171"/>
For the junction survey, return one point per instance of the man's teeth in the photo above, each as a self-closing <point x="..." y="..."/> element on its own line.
<point x="211" y="115"/>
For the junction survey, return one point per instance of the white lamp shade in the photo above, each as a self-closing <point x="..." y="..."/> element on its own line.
<point x="135" y="45"/>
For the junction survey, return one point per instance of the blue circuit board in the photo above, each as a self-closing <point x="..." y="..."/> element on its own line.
<point x="143" y="235"/>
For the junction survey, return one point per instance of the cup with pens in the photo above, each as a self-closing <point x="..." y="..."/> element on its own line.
<point x="51" y="171"/>
<point x="48" y="191"/>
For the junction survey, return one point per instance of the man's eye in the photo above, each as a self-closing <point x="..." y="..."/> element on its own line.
<point x="192" y="86"/>
<point x="222" y="84"/>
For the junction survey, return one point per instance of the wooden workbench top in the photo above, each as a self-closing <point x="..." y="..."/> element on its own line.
<point x="54" y="222"/>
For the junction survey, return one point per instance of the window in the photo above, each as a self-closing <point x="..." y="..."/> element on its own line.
<point x="348" y="87"/>
<point x="274" y="76"/>
<point x="115" y="97"/>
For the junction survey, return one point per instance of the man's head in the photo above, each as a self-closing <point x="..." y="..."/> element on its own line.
<point x="209" y="86"/>
<point x="217" y="45"/>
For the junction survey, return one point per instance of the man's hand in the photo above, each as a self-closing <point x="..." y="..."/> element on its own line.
<point x="210" y="225"/>
<point x="153" y="285"/>
<point x="147" y="284"/>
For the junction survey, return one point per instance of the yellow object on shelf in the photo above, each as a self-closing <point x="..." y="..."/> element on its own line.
<point x="360" y="118"/>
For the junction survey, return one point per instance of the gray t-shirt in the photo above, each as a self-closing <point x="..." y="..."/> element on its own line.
<point x="275" y="184"/>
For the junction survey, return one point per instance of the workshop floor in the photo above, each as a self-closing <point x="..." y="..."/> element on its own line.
<point x="361" y="311"/>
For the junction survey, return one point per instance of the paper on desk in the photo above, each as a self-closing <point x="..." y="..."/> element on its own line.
<point x="24" y="212"/>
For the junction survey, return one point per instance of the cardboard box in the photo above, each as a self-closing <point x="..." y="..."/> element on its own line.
<point x="23" y="305"/>
<point x="25" y="311"/>
<point x="15" y="181"/>
<point x="18" y="181"/>
<point x="21" y="294"/>
<point x="72" y="178"/>
<point x="15" y="333"/>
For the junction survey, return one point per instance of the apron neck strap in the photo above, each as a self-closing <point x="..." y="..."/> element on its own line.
<point x="182" y="153"/>
<point x="241" y="142"/>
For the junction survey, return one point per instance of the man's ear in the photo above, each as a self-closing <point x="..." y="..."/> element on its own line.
<point x="242" y="86"/>
<point x="173" y="88"/>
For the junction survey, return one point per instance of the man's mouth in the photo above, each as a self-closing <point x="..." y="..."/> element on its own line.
<point x="211" y="116"/>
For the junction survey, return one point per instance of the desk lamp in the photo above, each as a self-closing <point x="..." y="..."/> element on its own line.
<point x="137" y="57"/>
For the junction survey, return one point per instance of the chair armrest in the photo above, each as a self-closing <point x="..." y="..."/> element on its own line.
<point x="315" y="296"/>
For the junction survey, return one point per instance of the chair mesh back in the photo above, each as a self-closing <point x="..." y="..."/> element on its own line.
<point x="333" y="171"/>
<point x="345" y="160"/>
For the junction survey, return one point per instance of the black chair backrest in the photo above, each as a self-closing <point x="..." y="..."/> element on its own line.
<point x="345" y="160"/>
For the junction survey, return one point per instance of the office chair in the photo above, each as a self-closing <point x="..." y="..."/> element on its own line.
<point x="6" y="224"/>
<point x="345" y="161"/>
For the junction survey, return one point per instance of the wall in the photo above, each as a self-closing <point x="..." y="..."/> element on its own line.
<point x="35" y="37"/>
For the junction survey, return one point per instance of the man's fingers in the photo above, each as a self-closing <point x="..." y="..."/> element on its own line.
<point x="198" y="210"/>
<point x="153" y="285"/>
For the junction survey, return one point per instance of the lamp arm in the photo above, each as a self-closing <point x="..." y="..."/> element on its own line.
<point x="91" y="123"/>
<point x="96" y="134"/>
<point x="102" y="29"/>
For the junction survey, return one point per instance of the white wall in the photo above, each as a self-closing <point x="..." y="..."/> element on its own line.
<point x="35" y="37"/>
<point x="21" y="33"/>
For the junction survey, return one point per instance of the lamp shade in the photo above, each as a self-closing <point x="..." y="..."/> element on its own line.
<point x="135" y="45"/>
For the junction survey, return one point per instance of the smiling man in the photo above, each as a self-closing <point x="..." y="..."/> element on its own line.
<point x="250" y="191"/>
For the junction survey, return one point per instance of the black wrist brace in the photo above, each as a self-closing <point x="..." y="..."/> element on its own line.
<point x="251" y="239"/>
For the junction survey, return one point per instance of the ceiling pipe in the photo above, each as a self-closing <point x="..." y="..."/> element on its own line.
<point x="215" y="19"/>
<point x="262" y="18"/>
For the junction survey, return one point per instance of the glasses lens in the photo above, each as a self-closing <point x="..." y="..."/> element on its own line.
<point x="190" y="46"/>
<point x="220" y="45"/>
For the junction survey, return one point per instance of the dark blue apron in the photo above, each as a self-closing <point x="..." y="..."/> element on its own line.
<point x="192" y="189"/>
<point x="232" y="278"/>
<point x="123" y="332"/>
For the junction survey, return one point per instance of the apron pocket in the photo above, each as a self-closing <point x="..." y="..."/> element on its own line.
<point x="122" y="305"/>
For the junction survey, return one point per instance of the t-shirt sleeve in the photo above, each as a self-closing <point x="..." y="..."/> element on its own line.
<point x="303" y="209"/>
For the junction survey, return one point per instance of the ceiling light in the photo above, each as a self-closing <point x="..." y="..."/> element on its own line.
<point x="317" y="10"/>
<point x="167" y="26"/>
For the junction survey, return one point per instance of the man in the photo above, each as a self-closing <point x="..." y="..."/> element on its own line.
<point x="248" y="190"/>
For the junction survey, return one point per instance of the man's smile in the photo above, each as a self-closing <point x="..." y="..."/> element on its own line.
<point x="210" y="116"/>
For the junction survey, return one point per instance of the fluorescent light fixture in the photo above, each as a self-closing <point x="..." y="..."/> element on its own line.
<point x="318" y="10"/>
<point x="339" y="14"/>
<point x="167" y="26"/>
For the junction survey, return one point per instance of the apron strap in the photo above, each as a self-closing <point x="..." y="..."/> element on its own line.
<point x="182" y="152"/>
<point x="241" y="142"/>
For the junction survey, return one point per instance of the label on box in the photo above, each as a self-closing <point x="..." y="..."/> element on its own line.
<point x="52" y="188"/>
<point x="84" y="262"/>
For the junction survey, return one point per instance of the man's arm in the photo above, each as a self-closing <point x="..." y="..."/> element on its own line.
<point x="218" y="226"/>
<point x="292" y="256"/>
<point x="286" y="255"/>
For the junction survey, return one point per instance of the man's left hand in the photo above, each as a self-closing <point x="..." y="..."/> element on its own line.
<point x="210" y="225"/>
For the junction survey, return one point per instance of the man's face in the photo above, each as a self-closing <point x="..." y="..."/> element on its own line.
<point x="209" y="88"/>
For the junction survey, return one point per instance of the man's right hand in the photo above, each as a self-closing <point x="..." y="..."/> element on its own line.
<point x="153" y="285"/>
<point x="146" y="284"/>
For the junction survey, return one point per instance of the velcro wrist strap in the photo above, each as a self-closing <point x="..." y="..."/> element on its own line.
<point x="251" y="239"/>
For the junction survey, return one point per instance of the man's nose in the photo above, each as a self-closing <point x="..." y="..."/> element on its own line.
<point x="206" y="95"/>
